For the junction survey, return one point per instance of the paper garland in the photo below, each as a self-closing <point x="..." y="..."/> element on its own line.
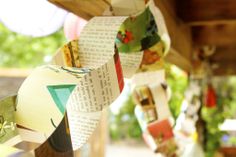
<point x="86" y="78"/>
<point x="152" y="111"/>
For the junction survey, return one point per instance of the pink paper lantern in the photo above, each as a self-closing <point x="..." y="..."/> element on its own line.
<point x="73" y="26"/>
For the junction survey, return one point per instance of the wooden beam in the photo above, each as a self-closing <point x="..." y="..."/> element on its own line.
<point x="228" y="151"/>
<point x="169" y="5"/>
<point x="83" y="8"/>
<point x="180" y="34"/>
<point x="224" y="68"/>
<point x="223" y="60"/>
<point x="224" y="54"/>
<point x="201" y="12"/>
<point x="218" y="35"/>
<point x="174" y="57"/>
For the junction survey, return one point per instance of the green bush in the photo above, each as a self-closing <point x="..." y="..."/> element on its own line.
<point x="19" y="51"/>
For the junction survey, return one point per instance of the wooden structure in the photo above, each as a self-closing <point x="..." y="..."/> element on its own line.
<point x="228" y="151"/>
<point x="212" y="23"/>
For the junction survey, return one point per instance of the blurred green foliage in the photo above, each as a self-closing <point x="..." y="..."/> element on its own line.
<point x="21" y="51"/>
<point x="226" y="108"/>
<point x="232" y="141"/>
<point x="212" y="134"/>
<point x="178" y="82"/>
<point x="124" y="125"/>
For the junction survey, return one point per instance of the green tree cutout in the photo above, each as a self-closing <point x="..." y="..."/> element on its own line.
<point x="21" y="51"/>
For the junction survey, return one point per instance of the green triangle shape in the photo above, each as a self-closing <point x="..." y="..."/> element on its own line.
<point x="60" y="95"/>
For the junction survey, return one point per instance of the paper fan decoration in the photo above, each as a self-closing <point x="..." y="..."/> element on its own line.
<point x="34" y="18"/>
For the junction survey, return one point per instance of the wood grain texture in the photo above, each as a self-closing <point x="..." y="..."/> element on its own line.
<point x="228" y="151"/>
<point x="175" y="58"/>
<point x="180" y="34"/>
<point x="83" y="8"/>
<point x="224" y="54"/>
<point x="205" y="11"/>
<point x="218" y="35"/>
<point x="223" y="60"/>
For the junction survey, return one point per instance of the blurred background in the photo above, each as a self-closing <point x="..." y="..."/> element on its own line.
<point x="119" y="133"/>
<point x="20" y="54"/>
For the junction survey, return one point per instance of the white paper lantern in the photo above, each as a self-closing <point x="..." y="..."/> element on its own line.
<point x="31" y="17"/>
